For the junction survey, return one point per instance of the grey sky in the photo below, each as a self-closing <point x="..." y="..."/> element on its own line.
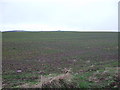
<point x="59" y="14"/>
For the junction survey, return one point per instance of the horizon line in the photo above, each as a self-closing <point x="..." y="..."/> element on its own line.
<point x="60" y="30"/>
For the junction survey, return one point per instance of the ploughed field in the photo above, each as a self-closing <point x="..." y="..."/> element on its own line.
<point x="27" y="55"/>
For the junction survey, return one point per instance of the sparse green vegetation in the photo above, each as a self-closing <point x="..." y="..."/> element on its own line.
<point x="92" y="56"/>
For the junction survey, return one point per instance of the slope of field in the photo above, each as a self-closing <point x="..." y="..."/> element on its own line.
<point x="44" y="53"/>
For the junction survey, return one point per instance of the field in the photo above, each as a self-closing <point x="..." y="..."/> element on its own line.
<point x="27" y="55"/>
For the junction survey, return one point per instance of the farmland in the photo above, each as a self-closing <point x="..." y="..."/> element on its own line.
<point x="44" y="53"/>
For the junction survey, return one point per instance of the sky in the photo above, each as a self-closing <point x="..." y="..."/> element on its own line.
<point x="52" y="15"/>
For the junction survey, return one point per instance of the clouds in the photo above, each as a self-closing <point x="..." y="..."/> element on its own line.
<point x="80" y="14"/>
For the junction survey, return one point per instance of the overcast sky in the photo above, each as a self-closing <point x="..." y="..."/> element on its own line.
<point x="68" y="15"/>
